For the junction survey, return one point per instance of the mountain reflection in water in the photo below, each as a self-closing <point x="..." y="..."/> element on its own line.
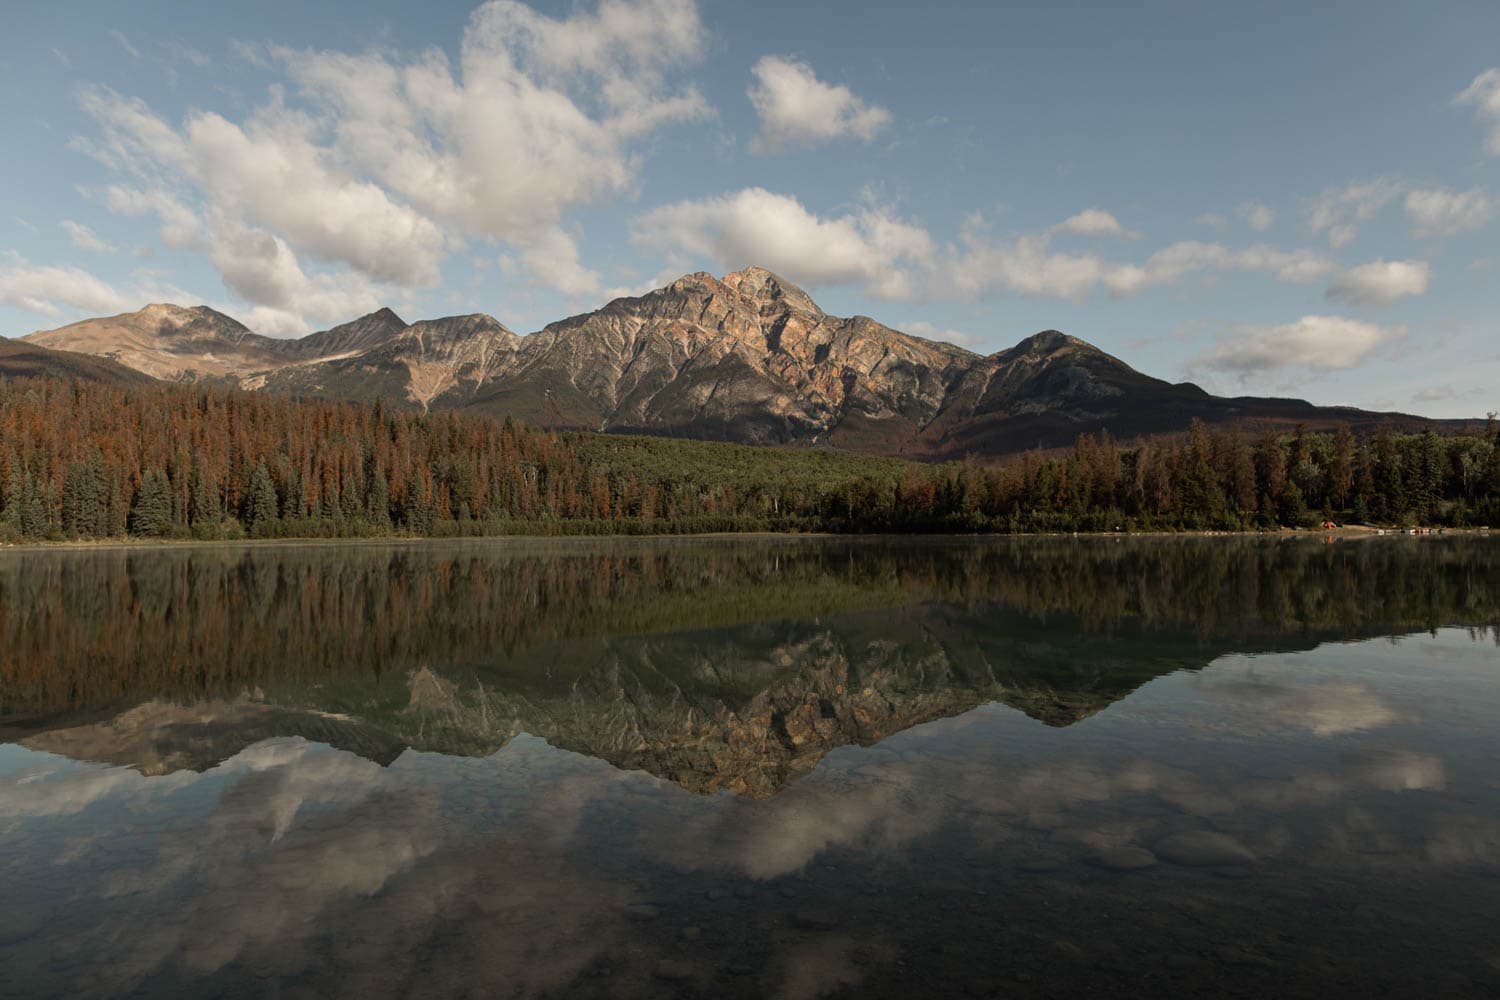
<point x="752" y="766"/>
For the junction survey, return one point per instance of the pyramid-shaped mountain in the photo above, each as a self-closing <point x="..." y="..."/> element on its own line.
<point x="748" y="357"/>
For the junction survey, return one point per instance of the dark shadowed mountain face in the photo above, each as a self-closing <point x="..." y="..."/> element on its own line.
<point x="748" y="357"/>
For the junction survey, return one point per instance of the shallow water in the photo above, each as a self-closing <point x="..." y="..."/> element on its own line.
<point x="752" y="767"/>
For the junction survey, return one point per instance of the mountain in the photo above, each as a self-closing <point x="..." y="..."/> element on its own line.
<point x="20" y="359"/>
<point x="169" y="342"/>
<point x="748" y="357"/>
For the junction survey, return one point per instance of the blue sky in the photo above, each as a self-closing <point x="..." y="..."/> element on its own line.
<point x="1266" y="198"/>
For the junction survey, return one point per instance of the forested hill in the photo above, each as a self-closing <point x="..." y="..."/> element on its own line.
<point x="88" y="460"/>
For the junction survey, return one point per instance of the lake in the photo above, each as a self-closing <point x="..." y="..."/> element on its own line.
<point x="752" y="767"/>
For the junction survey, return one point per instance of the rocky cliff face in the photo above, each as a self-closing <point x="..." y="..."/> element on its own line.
<point x="748" y="357"/>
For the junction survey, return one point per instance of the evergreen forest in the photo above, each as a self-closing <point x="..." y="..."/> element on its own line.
<point x="87" y="461"/>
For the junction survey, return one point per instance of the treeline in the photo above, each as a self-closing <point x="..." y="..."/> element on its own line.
<point x="1206" y="479"/>
<point x="111" y="628"/>
<point x="80" y="460"/>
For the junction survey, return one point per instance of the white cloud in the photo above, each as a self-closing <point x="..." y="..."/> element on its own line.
<point x="1381" y="282"/>
<point x="1318" y="343"/>
<point x="796" y="108"/>
<point x="1213" y="220"/>
<point x="891" y="258"/>
<point x="538" y="118"/>
<point x="1445" y="212"/>
<point x="1094" y="222"/>
<point x="180" y="226"/>
<point x="1026" y="265"/>
<point x="124" y="43"/>
<point x="52" y="290"/>
<point x="261" y="268"/>
<point x="550" y="259"/>
<point x="48" y="290"/>
<point x="272" y="173"/>
<point x="386" y="163"/>
<point x="930" y="331"/>
<point x="1172" y="263"/>
<point x="1255" y="215"/>
<point x="1340" y="211"/>
<point x="869" y="246"/>
<point x="1484" y="95"/>
<point x="85" y="238"/>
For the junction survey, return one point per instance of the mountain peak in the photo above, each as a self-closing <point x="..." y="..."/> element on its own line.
<point x="765" y="286"/>
<point x="385" y="315"/>
<point x="1050" y="342"/>
<point x="357" y="334"/>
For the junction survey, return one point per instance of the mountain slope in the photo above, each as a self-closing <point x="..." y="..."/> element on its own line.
<point x="169" y="342"/>
<point x="20" y="359"/>
<point x="748" y="357"/>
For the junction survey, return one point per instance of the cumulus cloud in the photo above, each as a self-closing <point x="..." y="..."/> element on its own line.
<point x="378" y="165"/>
<point x="1445" y="212"/>
<point x="261" y="268"/>
<point x="536" y="119"/>
<point x="796" y="108"/>
<point x="1381" y="282"/>
<point x="1484" y="94"/>
<point x="50" y="290"/>
<point x="273" y="173"/>
<point x="180" y="226"/>
<point x="1213" y="220"/>
<point x="85" y="238"/>
<point x="550" y="259"/>
<point x="869" y="246"/>
<point x="1255" y="215"/>
<point x="1026" y="265"/>
<point x="873" y="247"/>
<point x="1317" y="343"/>
<point x="1094" y="222"/>
<point x="1339" y="212"/>
<point x="1173" y="262"/>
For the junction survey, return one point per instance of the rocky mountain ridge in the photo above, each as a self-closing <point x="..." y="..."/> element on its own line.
<point x="748" y="357"/>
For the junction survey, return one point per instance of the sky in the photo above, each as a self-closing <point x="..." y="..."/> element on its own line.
<point x="1273" y="199"/>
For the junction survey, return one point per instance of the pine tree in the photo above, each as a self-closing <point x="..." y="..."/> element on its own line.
<point x="261" y="508"/>
<point x="11" y="491"/>
<point x="85" y="499"/>
<point x="151" y="514"/>
<point x="203" y="498"/>
<point x="36" y="511"/>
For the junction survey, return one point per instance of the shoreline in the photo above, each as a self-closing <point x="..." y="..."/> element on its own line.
<point x="1347" y="532"/>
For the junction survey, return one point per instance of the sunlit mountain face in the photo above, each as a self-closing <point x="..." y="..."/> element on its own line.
<point x="748" y="357"/>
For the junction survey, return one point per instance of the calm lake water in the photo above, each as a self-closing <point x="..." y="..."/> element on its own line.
<point x="752" y="767"/>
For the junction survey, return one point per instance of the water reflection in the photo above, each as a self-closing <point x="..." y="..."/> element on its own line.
<point x="792" y="769"/>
